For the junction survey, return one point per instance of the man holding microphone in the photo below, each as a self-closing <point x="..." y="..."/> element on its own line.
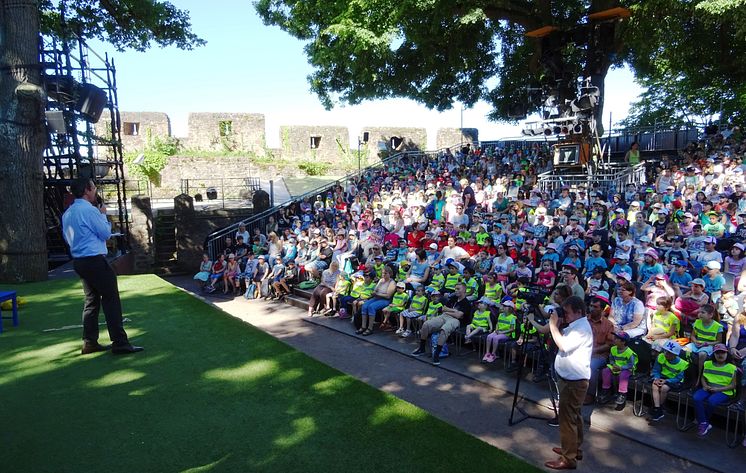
<point x="86" y="229"/>
<point x="573" y="369"/>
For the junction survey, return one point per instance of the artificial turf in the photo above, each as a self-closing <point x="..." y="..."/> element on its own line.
<point x="209" y="394"/>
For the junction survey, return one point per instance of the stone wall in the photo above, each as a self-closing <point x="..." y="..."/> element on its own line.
<point x="454" y="136"/>
<point x="137" y="126"/>
<point x="411" y="138"/>
<point x="192" y="228"/>
<point x="311" y="143"/>
<point x="226" y="132"/>
<point x="142" y="235"/>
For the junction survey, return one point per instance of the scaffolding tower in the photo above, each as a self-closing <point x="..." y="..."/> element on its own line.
<point x="84" y="140"/>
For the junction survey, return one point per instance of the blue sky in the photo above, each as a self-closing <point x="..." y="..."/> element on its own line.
<point x="252" y="68"/>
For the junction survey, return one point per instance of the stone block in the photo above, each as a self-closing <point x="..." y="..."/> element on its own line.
<point x="315" y="143"/>
<point x="455" y="137"/>
<point x="227" y="132"/>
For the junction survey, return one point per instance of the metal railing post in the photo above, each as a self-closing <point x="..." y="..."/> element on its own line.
<point x="271" y="193"/>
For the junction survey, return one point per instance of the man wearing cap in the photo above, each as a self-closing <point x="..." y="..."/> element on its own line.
<point x="668" y="373"/>
<point x="456" y="310"/>
<point x="573" y="369"/>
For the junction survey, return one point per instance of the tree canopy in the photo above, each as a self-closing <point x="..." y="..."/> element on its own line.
<point x="441" y="51"/>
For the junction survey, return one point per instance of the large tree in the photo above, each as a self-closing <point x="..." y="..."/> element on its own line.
<point x="124" y="23"/>
<point x="441" y="51"/>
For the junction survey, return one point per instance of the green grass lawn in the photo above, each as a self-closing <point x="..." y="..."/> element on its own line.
<point x="209" y="394"/>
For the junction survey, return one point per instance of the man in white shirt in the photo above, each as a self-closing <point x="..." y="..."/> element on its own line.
<point x="573" y="369"/>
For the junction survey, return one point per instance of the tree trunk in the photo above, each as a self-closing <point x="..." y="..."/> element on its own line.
<point x="23" y="247"/>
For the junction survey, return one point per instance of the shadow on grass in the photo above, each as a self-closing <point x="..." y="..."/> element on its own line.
<point x="210" y="393"/>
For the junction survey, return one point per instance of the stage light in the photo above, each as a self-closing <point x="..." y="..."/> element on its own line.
<point x="577" y="128"/>
<point x="556" y="130"/>
<point x="548" y="131"/>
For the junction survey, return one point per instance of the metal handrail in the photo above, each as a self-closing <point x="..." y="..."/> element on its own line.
<point x="548" y="181"/>
<point x="215" y="241"/>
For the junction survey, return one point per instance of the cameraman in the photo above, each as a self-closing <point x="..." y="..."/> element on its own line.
<point x="573" y="369"/>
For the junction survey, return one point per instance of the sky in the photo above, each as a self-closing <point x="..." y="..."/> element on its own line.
<point x="252" y="68"/>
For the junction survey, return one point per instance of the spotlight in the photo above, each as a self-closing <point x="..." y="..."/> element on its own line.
<point x="577" y="128"/>
<point x="548" y="131"/>
<point x="565" y="130"/>
<point x="587" y="101"/>
<point x="557" y="130"/>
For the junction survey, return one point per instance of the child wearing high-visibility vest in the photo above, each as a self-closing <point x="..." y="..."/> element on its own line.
<point x="452" y="279"/>
<point x="503" y="331"/>
<point x="668" y="373"/>
<point x="341" y="289"/>
<point x="664" y="325"/>
<point x="472" y="286"/>
<point x="398" y="304"/>
<point x="492" y="289"/>
<point x="481" y="321"/>
<point x="622" y="364"/>
<point x="718" y="387"/>
<point x="436" y="282"/>
<point x="434" y="307"/>
<point x="417" y="308"/>
<point x="706" y="333"/>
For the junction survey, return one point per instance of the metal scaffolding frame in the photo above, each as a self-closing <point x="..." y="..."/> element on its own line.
<point x="76" y="147"/>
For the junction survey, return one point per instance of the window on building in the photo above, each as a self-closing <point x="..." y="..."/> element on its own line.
<point x="226" y="128"/>
<point x="131" y="128"/>
<point x="315" y="142"/>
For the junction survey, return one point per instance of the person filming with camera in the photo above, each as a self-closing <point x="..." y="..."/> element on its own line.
<point x="572" y="367"/>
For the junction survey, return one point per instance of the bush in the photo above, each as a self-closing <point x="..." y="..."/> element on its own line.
<point x="314" y="168"/>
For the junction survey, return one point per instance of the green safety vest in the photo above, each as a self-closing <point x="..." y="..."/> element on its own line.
<point x="402" y="275"/>
<point x="666" y="324"/>
<point x="400" y="299"/>
<point x="379" y="269"/>
<point x="706" y="334"/>
<point x="471" y="286"/>
<point x="357" y="288"/>
<point x="342" y="287"/>
<point x="367" y="291"/>
<point x="418" y="304"/>
<point x="671" y="370"/>
<point x="482" y="238"/>
<point x="452" y="280"/>
<point x="622" y="359"/>
<point x="493" y="292"/>
<point x="481" y="319"/>
<point x="438" y="280"/>
<point x="719" y="376"/>
<point x="433" y="309"/>
<point x="506" y="323"/>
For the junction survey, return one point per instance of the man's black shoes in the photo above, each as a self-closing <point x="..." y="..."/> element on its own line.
<point x="89" y="348"/>
<point x="125" y="349"/>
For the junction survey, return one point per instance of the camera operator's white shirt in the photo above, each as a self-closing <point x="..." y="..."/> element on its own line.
<point x="574" y="363"/>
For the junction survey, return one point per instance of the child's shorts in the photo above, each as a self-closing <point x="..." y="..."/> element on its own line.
<point x="410" y="314"/>
<point x="707" y="349"/>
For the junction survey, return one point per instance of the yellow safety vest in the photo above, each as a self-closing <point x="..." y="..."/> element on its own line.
<point x="402" y="275"/>
<point x="706" y="334"/>
<point x="493" y="292"/>
<point x="379" y="269"/>
<point x="342" y="287"/>
<point x="366" y="291"/>
<point x="400" y="299"/>
<point x="452" y="280"/>
<point x="719" y="376"/>
<point x="357" y="288"/>
<point x="418" y="303"/>
<point x="481" y="319"/>
<point x="622" y="359"/>
<point x="665" y="322"/>
<point x="471" y="286"/>
<point x="506" y="323"/>
<point x="433" y="310"/>
<point x="437" y="282"/>
<point x="671" y="370"/>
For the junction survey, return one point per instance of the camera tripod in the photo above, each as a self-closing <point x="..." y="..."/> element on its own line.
<point x="553" y="390"/>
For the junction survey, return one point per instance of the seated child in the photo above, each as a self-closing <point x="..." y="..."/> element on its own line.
<point x="362" y="290"/>
<point x="718" y="382"/>
<point x="546" y="276"/>
<point x="668" y="373"/>
<point x="289" y="277"/>
<point x="436" y="282"/>
<point x="664" y="325"/>
<point x="481" y="321"/>
<point x="398" y="303"/>
<point x="205" y="268"/>
<point x="492" y="289"/>
<point x="504" y="331"/>
<point x="706" y="333"/>
<point x="622" y="364"/>
<point x="417" y="308"/>
<point x="472" y="286"/>
<point x="451" y="279"/>
<point x="341" y="289"/>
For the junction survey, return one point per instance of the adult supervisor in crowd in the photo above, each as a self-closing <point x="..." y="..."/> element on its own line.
<point x="573" y="369"/>
<point x="86" y="230"/>
<point x="455" y="310"/>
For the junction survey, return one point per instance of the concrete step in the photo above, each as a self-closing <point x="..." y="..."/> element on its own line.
<point x="303" y="293"/>
<point x="297" y="301"/>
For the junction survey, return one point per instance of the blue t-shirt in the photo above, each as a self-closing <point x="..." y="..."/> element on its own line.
<point x="713" y="284"/>
<point x="680" y="279"/>
<point x="593" y="263"/>
<point x="646" y="271"/>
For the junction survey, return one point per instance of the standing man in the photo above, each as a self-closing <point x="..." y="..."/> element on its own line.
<point x="86" y="230"/>
<point x="573" y="369"/>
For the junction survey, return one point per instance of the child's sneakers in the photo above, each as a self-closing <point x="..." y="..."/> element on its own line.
<point x="406" y="334"/>
<point x="486" y="358"/>
<point x="656" y="414"/>
<point x="704" y="428"/>
<point x="467" y="340"/>
<point x="621" y="401"/>
<point x="604" y="396"/>
<point x="343" y="313"/>
<point x="399" y="331"/>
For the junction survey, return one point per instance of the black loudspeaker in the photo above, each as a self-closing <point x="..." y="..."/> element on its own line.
<point x="517" y="111"/>
<point x="396" y="142"/>
<point x="91" y="102"/>
<point x="366" y="136"/>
